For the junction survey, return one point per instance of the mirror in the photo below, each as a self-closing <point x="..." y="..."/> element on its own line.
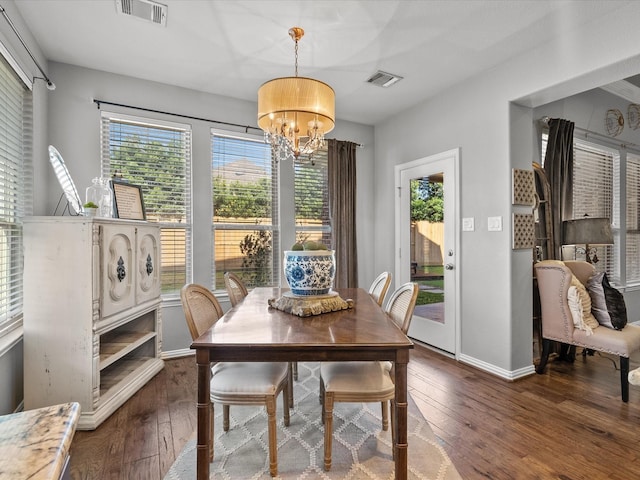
<point x="68" y="187"/>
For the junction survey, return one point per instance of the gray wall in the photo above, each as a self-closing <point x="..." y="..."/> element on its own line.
<point x="490" y="118"/>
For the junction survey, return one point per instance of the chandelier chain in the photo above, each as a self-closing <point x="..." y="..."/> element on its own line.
<point x="296" y="51"/>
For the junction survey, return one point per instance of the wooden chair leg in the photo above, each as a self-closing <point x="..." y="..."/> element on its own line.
<point x="225" y="418"/>
<point x="544" y="356"/>
<point x="624" y="378"/>
<point x="290" y="383"/>
<point x="385" y="416"/>
<point x="392" y="404"/>
<point x="295" y="371"/>
<point x="287" y="406"/>
<point x="327" y="409"/>
<point x="273" y="441"/>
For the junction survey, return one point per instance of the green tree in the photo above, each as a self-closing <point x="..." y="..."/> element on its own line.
<point x="241" y="199"/>
<point x="427" y="201"/>
<point x="309" y="192"/>
<point x="256" y="248"/>
<point x="154" y="166"/>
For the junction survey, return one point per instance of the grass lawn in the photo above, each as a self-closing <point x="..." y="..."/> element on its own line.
<point x="427" y="297"/>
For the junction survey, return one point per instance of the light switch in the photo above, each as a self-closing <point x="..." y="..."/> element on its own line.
<point x="468" y="224"/>
<point x="494" y="224"/>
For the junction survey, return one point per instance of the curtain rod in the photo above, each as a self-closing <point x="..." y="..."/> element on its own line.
<point x="246" y="127"/>
<point x="587" y="133"/>
<point x="50" y="84"/>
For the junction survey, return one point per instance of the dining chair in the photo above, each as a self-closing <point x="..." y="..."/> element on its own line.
<point x="237" y="383"/>
<point x="236" y="290"/>
<point x="365" y="381"/>
<point x="379" y="287"/>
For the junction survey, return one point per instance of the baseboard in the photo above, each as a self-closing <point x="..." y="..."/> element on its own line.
<point x="183" y="352"/>
<point x="500" y="372"/>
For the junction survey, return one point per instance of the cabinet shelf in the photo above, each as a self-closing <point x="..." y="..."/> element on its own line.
<point x="112" y="380"/>
<point x="120" y="344"/>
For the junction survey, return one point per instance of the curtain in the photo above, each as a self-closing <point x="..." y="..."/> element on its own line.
<point x="341" y="170"/>
<point x="558" y="165"/>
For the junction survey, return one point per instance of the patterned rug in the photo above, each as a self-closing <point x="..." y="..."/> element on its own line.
<point x="361" y="450"/>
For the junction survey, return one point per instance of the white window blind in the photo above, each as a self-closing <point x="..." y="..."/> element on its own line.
<point x="16" y="191"/>
<point x="632" y="249"/>
<point x="245" y="210"/>
<point x="593" y="193"/>
<point x="311" y="192"/>
<point x="157" y="157"/>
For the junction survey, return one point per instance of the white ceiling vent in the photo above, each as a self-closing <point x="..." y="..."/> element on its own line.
<point x="144" y="9"/>
<point x="384" y="79"/>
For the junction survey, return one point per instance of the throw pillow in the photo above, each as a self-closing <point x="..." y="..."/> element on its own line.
<point x="598" y="301"/>
<point x="615" y="304"/>
<point x="585" y="301"/>
<point x="575" y="307"/>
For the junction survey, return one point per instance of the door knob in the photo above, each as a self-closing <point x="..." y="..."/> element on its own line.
<point x="449" y="266"/>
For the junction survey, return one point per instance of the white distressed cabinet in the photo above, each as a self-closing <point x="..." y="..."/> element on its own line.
<point x="92" y="324"/>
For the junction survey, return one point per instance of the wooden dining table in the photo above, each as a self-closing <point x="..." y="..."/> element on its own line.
<point x="254" y="331"/>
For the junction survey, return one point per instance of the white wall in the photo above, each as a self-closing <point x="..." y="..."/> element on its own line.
<point x="490" y="118"/>
<point x="74" y="129"/>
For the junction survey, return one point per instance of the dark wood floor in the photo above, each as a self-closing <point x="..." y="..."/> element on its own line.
<point x="567" y="424"/>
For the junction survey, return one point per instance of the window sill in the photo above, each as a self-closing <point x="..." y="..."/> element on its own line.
<point x="10" y="340"/>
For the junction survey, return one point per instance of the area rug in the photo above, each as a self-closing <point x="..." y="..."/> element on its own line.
<point x="361" y="450"/>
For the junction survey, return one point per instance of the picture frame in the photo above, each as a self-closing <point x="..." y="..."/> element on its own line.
<point x="127" y="200"/>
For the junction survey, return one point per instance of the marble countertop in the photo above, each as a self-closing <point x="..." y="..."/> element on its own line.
<point x="35" y="443"/>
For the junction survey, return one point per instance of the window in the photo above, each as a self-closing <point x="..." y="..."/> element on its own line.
<point x="245" y="210"/>
<point x="157" y="157"/>
<point x="606" y="183"/>
<point x="312" y="200"/>
<point x="15" y="191"/>
<point x="247" y="194"/>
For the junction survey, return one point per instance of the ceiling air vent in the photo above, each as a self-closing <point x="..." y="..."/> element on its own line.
<point x="144" y="9"/>
<point x="384" y="79"/>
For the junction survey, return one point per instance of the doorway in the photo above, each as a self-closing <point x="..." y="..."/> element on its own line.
<point x="427" y="245"/>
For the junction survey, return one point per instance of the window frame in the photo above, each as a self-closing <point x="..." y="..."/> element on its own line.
<point x="106" y="119"/>
<point x="274" y="227"/>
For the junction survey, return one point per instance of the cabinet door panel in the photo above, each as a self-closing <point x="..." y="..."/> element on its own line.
<point x="148" y="260"/>
<point x="118" y="273"/>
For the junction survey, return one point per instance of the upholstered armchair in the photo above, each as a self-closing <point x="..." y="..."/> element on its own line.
<point x="559" y="323"/>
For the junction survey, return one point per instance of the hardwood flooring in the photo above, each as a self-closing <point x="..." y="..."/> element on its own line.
<point x="568" y="424"/>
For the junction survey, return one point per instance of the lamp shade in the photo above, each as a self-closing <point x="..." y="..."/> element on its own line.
<point x="587" y="231"/>
<point x="298" y="101"/>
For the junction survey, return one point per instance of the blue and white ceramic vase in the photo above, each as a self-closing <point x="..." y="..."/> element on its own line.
<point x="309" y="272"/>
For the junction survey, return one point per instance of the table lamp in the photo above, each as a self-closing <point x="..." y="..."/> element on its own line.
<point x="589" y="231"/>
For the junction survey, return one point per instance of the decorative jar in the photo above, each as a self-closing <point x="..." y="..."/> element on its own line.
<point x="99" y="192"/>
<point x="309" y="272"/>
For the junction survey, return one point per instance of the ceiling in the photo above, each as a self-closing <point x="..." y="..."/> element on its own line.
<point x="230" y="47"/>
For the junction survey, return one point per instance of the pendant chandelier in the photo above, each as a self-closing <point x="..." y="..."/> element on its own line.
<point x="295" y="112"/>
